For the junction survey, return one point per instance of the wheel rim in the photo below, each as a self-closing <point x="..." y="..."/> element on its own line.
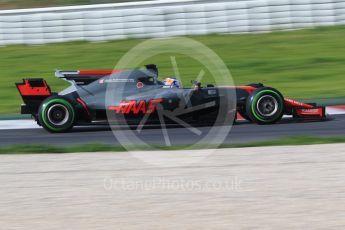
<point x="58" y="114"/>
<point x="267" y="106"/>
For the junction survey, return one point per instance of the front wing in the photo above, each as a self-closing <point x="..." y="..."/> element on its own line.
<point x="306" y="111"/>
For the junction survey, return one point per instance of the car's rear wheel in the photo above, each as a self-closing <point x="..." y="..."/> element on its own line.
<point x="56" y="115"/>
<point x="265" y="106"/>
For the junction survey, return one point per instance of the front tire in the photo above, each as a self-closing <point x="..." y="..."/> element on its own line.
<point x="56" y="115"/>
<point x="265" y="106"/>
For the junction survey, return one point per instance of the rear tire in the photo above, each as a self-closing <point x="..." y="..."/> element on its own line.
<point x="265" y="106"/>
<point x="56" y="115"/>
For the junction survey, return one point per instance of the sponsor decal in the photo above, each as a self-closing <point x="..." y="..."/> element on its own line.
<point x="317" y="112"/>
<point x="310" y="110"/>
<point x="293" y="103"/>
<point x="136" y="107"/>
<point x="212" y="92"/>
<point x="140" y="85"/>
<point x="116" y="80"/>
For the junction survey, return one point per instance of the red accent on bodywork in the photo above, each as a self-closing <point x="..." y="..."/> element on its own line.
<point x="82" y="103"/>
<point x="297" y="104"/>
<point x="134" y="107"/>
<point x="239" y="117"/>
<point x="25" y="89"/>
<point x="302" y="110"/>
<point x="99" y="72"/>
<point x="152" y="107"/>
<point x="315" y="112"/>
<point x="249" y="89"/>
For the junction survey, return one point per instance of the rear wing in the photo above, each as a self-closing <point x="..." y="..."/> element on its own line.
<point x="34" y="87"/>
<point x="33" y="92"/>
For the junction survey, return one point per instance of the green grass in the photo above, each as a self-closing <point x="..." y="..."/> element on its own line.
<point x="13" y="4"/>
<point x="305" y="64"/>
<point x="22" y="148"/>
<point x="299" y="140"/>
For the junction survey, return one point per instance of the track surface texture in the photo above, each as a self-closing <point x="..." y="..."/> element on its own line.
<point x="256" y="188"/>
<point x="242" y="132"/>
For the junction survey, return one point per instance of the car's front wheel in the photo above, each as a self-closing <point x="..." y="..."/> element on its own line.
<point x="56" y="115"/>
<point x="265" y="106"/>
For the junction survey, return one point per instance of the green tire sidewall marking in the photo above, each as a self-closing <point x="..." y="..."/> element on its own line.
<point x="43" y="113"/>
<point x="255" y="100"/>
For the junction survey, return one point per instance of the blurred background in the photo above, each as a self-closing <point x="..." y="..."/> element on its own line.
<point x="296" y="46"/>
<point x="20" y="4"/>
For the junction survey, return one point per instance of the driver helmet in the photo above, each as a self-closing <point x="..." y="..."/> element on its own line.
<point x="171" y="82"/>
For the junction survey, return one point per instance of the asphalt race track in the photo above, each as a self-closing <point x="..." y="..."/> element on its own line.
<point x="242" y="132"/>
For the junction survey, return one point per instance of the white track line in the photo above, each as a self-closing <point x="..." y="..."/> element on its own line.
<point x="18" y="124"/>
<point x="335" y="111"/>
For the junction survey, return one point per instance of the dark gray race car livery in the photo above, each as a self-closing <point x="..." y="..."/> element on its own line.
<point x="136" y="97"/>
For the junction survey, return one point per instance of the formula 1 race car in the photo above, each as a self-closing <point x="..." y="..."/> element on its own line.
<point x="136" y="95"/>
